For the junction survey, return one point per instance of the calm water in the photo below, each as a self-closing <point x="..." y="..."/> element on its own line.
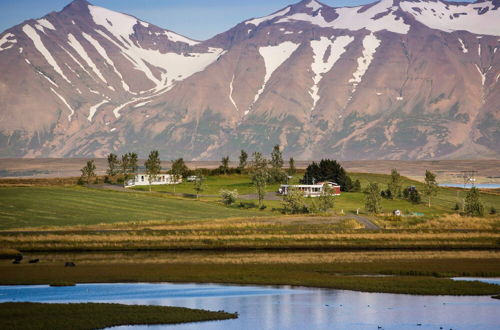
<point x="282" y="307"/>
<point x="479" y="185"/>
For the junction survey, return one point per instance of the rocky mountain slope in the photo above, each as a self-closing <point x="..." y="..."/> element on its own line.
<point x="396" y="79"/>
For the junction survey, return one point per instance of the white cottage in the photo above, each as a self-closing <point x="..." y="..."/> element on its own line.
<point x="142" y="179"/>
<point x="311" y="190"/>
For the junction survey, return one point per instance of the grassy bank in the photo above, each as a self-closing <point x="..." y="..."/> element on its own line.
<point x="22" y="207"/>
<point x="259" y="233"/>
<point x="424" y="276"/>
<point x="14" y="316"/>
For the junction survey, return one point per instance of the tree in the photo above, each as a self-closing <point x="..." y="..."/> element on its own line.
<point x="473" y="204"/>
<point x="228" y="196"/>
<point x="153" y="166"/>
<point x="128" y="165"/>
<point x="325" y="201"/>
<point x="198" y="183"/>
<point x="412" y="195"/>
<point x="179" y="170"/>
<point x="294" y="202"/>
<point x="327" y="170"/>
<point x="133" y="165"/>
<point x="113" y="165"/>
<point x="394" y="185"/>
<point x="125" y="166"/>
<point x="372" y="198"/>
<point x="431" y="186"/>
<point x="259" y="176"/>
<point x="224" y="166"/>
<point x="291" y="167"/>
<point x="243" y="160"/>
<point x="356" y="187"/>
<point x="277" y="157"/>
<point x="88" y="171"/>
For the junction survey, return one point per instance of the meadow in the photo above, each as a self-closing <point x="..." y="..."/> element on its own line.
<point x="20" y="316"/>
<point x="35" y="206"/>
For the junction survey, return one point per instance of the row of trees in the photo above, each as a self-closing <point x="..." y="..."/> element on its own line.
<point x="373" y="199"/>
<point x="472" y="207"/>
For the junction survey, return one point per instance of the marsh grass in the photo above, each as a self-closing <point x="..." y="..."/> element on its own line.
<point x="328" y="275"/>
<point x="17" y="316"/>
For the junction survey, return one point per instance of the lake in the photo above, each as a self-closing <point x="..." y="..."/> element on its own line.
<point x="266" y="307"/>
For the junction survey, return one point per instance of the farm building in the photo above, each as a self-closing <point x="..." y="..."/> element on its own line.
<point x="143" y="180"/>
<point x="311" y="190"/>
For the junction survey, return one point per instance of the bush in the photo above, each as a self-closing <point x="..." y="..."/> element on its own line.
<point x="228" y="196"/>
<point x="294" y="202"/>
<point x="493" y="210"/>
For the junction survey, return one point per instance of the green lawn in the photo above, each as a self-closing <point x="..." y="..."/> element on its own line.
<point x="213" y="185"/>
<point x="442" y="203"/>
<point x="22" y="207"/>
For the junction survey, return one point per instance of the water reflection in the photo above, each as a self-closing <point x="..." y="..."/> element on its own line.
<point x="284" y="307"/>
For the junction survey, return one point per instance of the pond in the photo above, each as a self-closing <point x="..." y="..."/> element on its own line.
<point x="265" y="307"/>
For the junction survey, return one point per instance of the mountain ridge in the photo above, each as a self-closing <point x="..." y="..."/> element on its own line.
<point x="309" y="77"/>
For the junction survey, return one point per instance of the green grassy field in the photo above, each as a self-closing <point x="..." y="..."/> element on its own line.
<point x="21" y="316"/>
<point x="22" y="207"/>
<point x="213" y="185"/>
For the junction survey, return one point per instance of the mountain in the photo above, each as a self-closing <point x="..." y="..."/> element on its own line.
<point x="395" y="79"/>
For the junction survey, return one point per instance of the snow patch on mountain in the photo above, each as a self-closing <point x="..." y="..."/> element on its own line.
<point x="258" y="21"/>
<point x="274" y="57"/>
<point x="376" y="18"/>
<point x="5" y="39"/>
<point x="314" y="5"/>
<point x="464" y="49"/>
<point x="449" y="17"/>
<point x="483" y="75"/>
<point x="141" y="104"/>
<point x="120" y="25"/>
<point x="370" y="45"/>
<point x="178" y="38"/>
<point x="93" y="109"/>
<point x="108" y="60"/>
<point x="320" y="66"/>
<point x="177" y="67"/>
<point x="72" y="112"/>
<point x="83" y="54"/>
<point x="37" y="41"/>
<point x="45" y="23"/>
<point x="231" y="94"/>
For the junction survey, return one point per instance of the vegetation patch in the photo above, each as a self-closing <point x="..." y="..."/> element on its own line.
<point x="34" y="316"/>
<point x="424" y="277"/>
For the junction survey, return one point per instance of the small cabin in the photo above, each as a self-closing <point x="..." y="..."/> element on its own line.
<point x="311" y="190"/>
<point x="142" y="179"/>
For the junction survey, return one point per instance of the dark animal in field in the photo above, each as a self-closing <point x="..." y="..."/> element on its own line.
<point x="69" y="264"/>
<point x="18" y="258"/>
<point x="16" y="262"/>
<point x="34" y="261"/>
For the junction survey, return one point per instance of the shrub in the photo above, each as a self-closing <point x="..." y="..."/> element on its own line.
<point x="228" y="196"/>
<point x="294" y="202"/>
<point x="493" y="210"/>
<point x="473" y="205"/>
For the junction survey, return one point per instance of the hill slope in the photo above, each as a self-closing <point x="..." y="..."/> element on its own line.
<point x="396" y="79"/>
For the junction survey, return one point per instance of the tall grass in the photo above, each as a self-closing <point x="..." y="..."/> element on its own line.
<point x="20" y="316"/>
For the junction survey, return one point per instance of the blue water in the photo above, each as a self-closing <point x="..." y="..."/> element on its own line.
<point x="282" y="307"/>
<point x="479" y="185"/>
